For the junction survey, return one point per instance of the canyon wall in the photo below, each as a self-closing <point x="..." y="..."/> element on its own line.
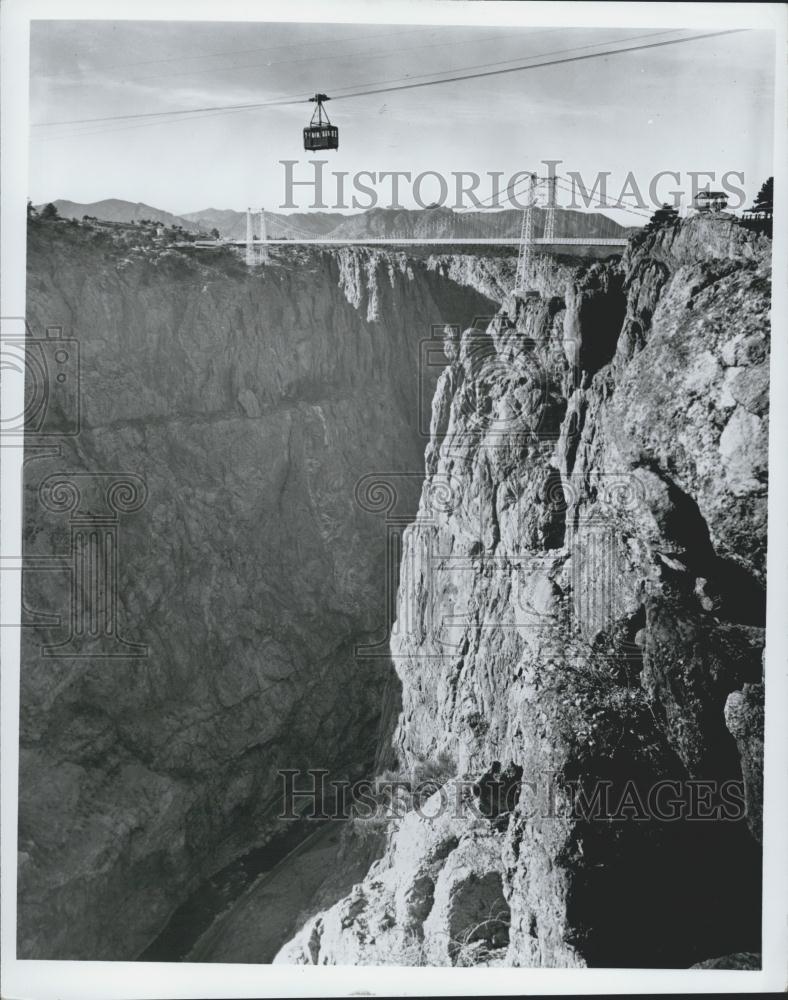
<point x="226" y="416"/>
<point x="581" y="610"/>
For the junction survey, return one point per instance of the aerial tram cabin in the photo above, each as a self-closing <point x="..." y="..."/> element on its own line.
<point x="320" y="133"/>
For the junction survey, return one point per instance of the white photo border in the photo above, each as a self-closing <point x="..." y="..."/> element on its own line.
<point x="40" y="980"/>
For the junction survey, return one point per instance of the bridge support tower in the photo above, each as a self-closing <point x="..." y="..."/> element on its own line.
<point x="525" y="250"/>
<point x="256" y="250"/>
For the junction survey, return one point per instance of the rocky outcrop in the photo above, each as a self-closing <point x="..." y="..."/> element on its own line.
<point x="492" y="276"/>
<point x="744" y="718"/>
<point x="435" y="898"/>
<point x="243" y="407"/>
<point x="582" y="599"/>
<point x="741" y="960"/>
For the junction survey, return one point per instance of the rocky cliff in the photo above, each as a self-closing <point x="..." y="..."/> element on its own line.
<point x="581" y="627"/>
<point x="225" y="418"/>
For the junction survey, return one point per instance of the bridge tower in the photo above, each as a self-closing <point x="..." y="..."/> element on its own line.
<point x="263" y="238"/>
<point x="525" y="250"/>
<point x="549" y="222"/>
<point x="546" y="259"/>
<point x="249" y="239"/>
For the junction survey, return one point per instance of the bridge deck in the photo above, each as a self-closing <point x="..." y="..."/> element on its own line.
<point x="433" y="241"/>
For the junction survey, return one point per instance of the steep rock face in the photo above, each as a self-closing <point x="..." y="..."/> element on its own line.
<point x="436" y="894"/>
<point x="248" y="405"/>
<point x="582" y="598"/>
<point x="492" y="276"/>
<point x="744" y="717"/>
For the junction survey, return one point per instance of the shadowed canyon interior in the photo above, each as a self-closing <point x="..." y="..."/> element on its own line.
<point x="580" y="488"/>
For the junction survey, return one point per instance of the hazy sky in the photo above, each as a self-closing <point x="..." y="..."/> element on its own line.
<point x="703" y="105"/>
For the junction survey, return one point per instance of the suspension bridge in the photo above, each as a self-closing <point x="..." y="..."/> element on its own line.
<point x="321" y="134"/>
<point x="495" y="228"/>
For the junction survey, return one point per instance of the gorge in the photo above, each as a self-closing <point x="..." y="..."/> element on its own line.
<point x="250" y="404"/>
<point x="581" y="592"/>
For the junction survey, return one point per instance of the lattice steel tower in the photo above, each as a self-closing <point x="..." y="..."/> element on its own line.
<point x="525" y="251"/>
<point x="549" y="222"/>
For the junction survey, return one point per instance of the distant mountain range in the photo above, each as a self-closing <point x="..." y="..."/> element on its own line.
<point x="431" y="222"/>
<point x="116" y="210"/>
<point x="374" y="223"/>
<point x="232" y="224"/>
